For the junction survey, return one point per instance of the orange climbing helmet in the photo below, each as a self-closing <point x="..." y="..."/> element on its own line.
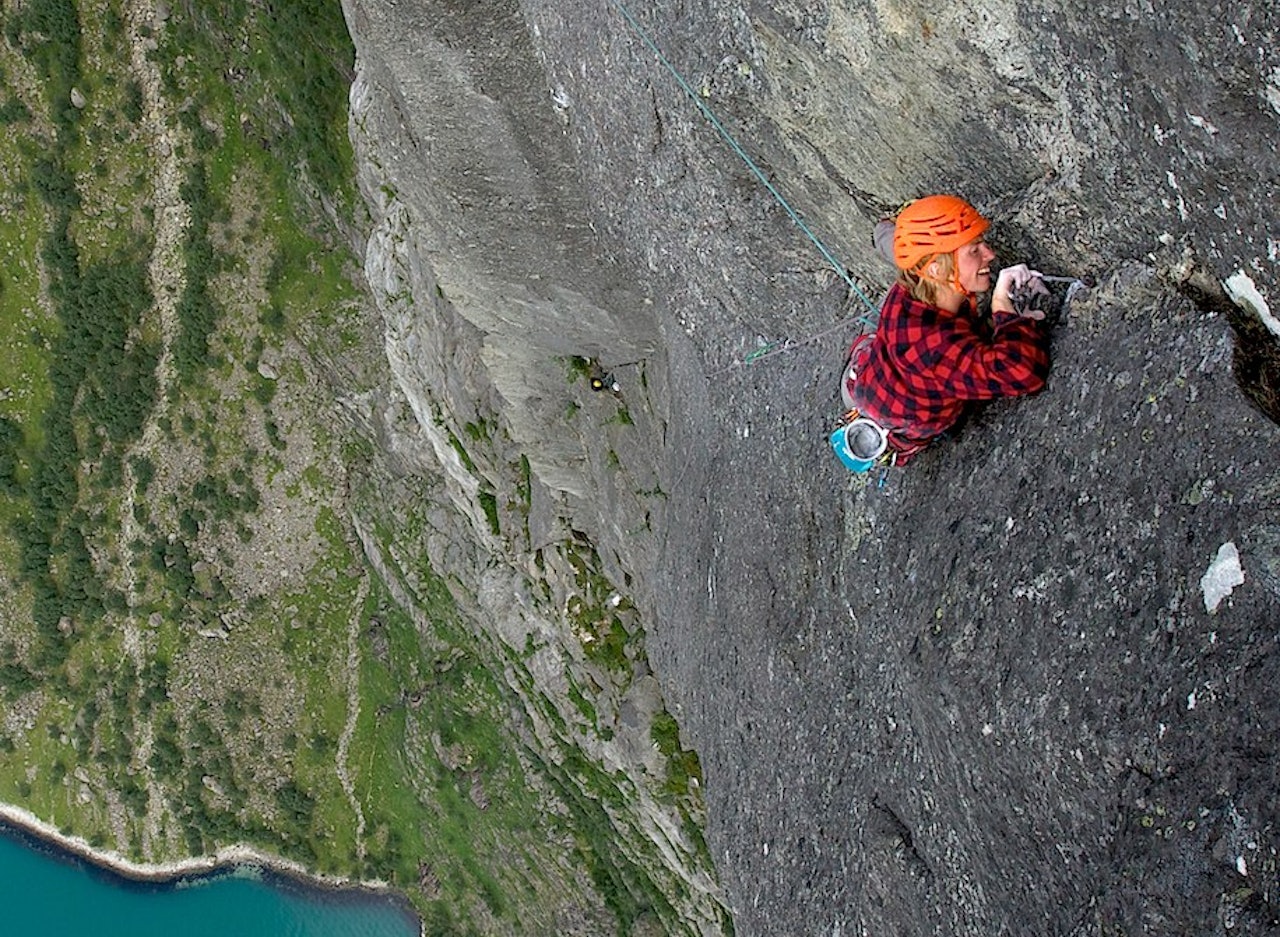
<point x="935" y="224"/>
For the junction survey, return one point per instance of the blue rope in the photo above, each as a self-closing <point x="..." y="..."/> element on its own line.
<point x="751" y="164"/>
<point x="777" y="348"/>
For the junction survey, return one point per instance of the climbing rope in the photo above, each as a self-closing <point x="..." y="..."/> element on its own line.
<point x="760" y="175"/>
<point x="777" y="348"/>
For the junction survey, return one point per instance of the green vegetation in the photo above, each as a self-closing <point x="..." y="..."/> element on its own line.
<point x="102" y="375"/>
<point x="197" y="309"/>
<point x="489" y="504"/>
<point x="622" y="417"/>
<point x="453" y="704"/>
<point x="84" y="358"/>
<point x="188" y="616"/>
<point x="596" y="802"/>
<point x="48" y="33"/>
<point x="682" y="764"/>
<point x="577" y="368"/>
<point x="461" y="450"/>
<point x="448" y="791"/>
<point x="300" y="58"/>
<point x="597" y="609"/>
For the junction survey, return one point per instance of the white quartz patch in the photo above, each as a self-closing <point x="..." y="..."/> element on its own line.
<point x="1243" y="292"/>
<point x="1272" y="90"/>
<point x="1222" y="576"/>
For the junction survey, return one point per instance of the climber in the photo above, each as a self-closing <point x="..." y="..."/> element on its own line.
<point x="933" y="353"/>
<point x="601" y="379"/>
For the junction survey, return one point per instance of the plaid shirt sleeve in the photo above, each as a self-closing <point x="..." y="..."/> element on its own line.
<point x="944" y="354"/>
<point x="927" y="364"/>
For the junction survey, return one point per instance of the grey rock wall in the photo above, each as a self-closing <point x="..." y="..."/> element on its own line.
<point x="989" y="696"/>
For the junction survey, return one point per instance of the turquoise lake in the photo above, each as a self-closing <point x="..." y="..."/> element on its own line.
<point x="54" y="896"/>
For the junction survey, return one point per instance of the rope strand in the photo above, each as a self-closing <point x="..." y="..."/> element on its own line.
<point x="751" y="164"/>
<point x="777" y="348"/>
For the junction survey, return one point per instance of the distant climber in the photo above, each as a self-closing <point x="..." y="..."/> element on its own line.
<point x="601" y="379"/>
<point x="933" y="353"/>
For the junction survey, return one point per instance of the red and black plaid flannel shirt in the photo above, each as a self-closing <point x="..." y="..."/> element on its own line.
<point x="926" y="365"/>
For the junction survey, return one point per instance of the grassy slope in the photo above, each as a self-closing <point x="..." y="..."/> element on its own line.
<point x="186" y="617"/>
<point x="197" y="695"/>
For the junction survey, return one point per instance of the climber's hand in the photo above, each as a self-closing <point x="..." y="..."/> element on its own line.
<point x="1019" y="290"/>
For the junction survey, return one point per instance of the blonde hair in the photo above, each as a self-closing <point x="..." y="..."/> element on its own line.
<point x="923" y="288"/>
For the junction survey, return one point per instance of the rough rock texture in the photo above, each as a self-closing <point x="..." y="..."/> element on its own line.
<point x="988" y="696"/>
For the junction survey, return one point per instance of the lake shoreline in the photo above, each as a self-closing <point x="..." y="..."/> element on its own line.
<point x="26" y="826"/>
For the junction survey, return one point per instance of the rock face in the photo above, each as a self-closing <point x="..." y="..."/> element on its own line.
<point x="991" y="695"/>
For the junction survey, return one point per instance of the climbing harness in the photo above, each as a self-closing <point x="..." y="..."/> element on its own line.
<point x="859" y="442"/>
<point x="859" y="352"/>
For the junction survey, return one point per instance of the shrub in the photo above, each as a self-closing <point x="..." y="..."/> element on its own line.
<point x="14" y="111"/>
